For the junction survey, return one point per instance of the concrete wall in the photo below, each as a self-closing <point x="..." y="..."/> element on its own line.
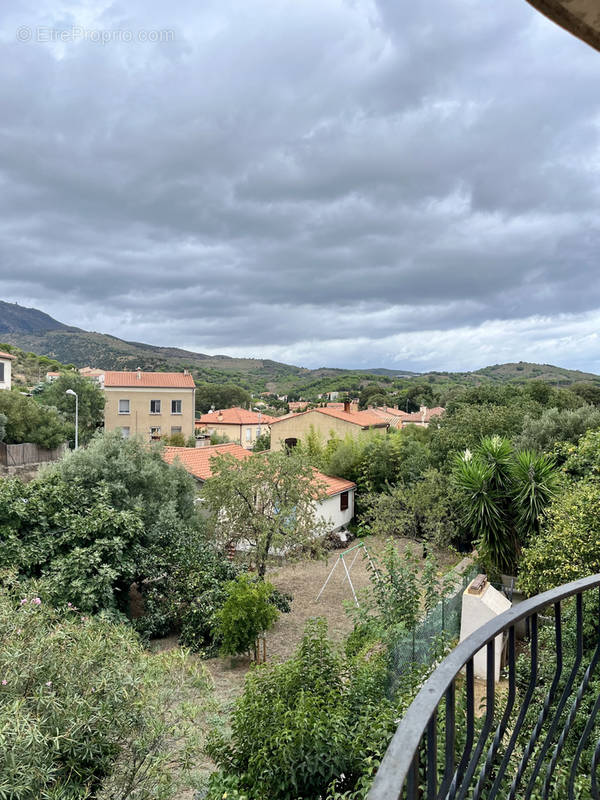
<point x="6" y="383"/>
<point x="298" y="427"/>
<point x="140" y="420"/>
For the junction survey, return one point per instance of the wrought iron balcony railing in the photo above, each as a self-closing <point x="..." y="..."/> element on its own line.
<point x="538" y="736"/>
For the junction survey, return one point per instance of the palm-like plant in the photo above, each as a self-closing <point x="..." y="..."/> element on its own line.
<point x="534" y="481"/>
<point x="504" y="494"/>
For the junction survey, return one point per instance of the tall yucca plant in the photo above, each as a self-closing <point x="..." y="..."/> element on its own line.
<point x="504" y="494"/>
<point x="534" y="482"/>
<point x="485" y="511"/>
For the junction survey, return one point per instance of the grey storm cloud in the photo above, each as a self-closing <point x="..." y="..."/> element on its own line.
<point x="331" y="182"/>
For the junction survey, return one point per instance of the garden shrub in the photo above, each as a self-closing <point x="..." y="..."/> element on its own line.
<point x="84" y="711"/>
<point x="188" y="592"/>
<point x="568" y="546"/>
<point x="316" y="722"/>
<point x="247" y="612"/>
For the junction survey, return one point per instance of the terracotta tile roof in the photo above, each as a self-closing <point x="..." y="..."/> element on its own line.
<point x="153" y="380"/>
<point x="334" y="485"/>
<point x="365" y="419"/>
<point x="6" y="355"/>
<point x="423" y="416"/>
<point x="54" y="374"/>
<point x="387" y="416"/>
<point x="196" y="460"/>
<point x="234" y="416"/>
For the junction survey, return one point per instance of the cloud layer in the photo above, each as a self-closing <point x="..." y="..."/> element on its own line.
<point x="332" y="182"/>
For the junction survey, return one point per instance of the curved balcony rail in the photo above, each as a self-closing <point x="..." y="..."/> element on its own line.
<point x="537" y="735"/>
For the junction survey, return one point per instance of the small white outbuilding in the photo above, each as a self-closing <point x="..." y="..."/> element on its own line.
<point x="482" y="603"/>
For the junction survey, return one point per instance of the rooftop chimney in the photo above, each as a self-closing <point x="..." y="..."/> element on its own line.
<point x="139" y="373"/>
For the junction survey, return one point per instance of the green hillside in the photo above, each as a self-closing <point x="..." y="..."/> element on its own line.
<point x="33" y="332"/>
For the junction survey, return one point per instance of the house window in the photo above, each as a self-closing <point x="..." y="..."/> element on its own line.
<point x="155" y="406"/>
<point x="175" y="406"/>
<point x="248" y="434"/>
<point x="257" y="432"/>
<point x="290" y="443"/>
<point x="155" y="433"/>
<point x="1" y="373"/>
<point x="175" y="429"/>
<point x="123" y="406"/>
<point x="125" y="432"/>
<point x="343" y="501"/>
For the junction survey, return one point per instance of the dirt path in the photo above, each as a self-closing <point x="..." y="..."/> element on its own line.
<point x="304" y="580"/>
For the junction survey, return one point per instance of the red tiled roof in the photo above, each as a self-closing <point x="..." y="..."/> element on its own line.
<point x="234" y="416"/>
<point x="334" y="485"/>
<point x="365" y="419"/>
<point x="427" y="416"/>
<point x="154" y="380"/>
<point x="6" y="355"/>
<point x="196" y="460"/>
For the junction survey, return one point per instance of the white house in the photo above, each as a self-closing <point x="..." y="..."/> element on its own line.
<point x="338" y="505"/>
<point x="6" y="360"/>
<point x="337" y="508"/>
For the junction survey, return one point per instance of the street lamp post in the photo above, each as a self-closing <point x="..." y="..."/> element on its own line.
<point x="70" y="391"/>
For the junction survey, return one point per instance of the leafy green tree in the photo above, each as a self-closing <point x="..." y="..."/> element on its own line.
<point x="135" y="476"/>
<point x="589" y="392"/>
<point x="76" y="540"/>
<point x="467" y="425"/>
<point x="554" y="425"/>
<point x="503" y="497"/>
<point x="246" y="613"/>
<point x="425" y="509"/>
<point x="97" y="521"/>
<point x="568" y="546"/>
<point x="90" y="398"/>
<point x="220" y="395"/>
<point x="2" y="427"/>
<point x="267" y="501"/>
<point x="185" y="596"/>
<point x="84" y="711"/>
<point x="263" y="442"/>
<point x="27" y="421"/>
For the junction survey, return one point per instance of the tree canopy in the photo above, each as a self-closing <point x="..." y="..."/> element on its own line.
<point x="90" y="397"/>
<point x="267" y="502"/>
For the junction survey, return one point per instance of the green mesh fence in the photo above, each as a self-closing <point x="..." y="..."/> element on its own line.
<point x="419" y="646"/>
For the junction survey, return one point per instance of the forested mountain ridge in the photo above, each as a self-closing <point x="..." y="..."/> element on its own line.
<point x="36" y="332"/>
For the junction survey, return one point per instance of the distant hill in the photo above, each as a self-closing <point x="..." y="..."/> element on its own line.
<point x="34" y="331"/>
<point x="515" y="372"/>
<point x="16" y="319"/>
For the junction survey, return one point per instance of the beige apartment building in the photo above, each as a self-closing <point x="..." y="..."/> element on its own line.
<point x="149" y="404"/>
<point x="293" y="428"/>
<point x="6" y="360"/>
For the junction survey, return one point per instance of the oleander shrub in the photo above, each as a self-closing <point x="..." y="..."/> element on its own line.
<point x="84" y="710"/>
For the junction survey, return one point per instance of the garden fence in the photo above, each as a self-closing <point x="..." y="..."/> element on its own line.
<point x="418" y="646"/>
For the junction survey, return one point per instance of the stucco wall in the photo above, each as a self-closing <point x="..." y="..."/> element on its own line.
<point x="6" y="383"/>
<point x="298" y="427"/>
<point x="329" y="509"/>
<point x="140" y="420"/>
<point x="246" y="435"/>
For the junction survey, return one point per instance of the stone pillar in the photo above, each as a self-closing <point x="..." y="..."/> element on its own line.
<point x="482" y="603"/>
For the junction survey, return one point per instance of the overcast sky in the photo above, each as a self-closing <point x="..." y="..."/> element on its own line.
<point x="351" y="183"/>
